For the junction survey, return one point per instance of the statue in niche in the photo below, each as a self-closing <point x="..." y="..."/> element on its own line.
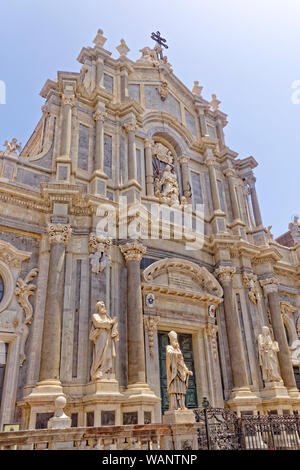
<point x="295" y="352"/>
<point x="177" y="374"/>
<point x="103" y="334"/>
<point x="268" y="361"/>
<point x="169" y="186"/>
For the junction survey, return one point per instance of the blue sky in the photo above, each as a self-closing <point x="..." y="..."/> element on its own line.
<point x="245" y="51"/>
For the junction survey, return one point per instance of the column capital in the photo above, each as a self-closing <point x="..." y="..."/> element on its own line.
<point x="229" y="172"/>
<point x="100" y="115"/>
<point x="68" y="99"/>
<point x="250" y="180"/>
<point x="210" y="160"/>
<point x="225" y="273"/>
<point x="183" y="159"/>
<point x="59" y="233"/>
<point x="269" y="285"/>
<point x="148" y="143"/>
<point x="133" y="251"/>
<point x="130" y="126"/>
<point x="249" y="279"/>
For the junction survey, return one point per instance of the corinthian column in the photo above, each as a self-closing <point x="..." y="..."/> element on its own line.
<point x="255" y="205"/>
<point x="50" y="355"/>
<point x="237" y="362"/>
<point x="99" y="117"/>
<point x="149" y="168"/>
<point x="229" y="173"/>
<point x="184" y="160"/>
<point x="68" y="102"/>
<point x="131" y="128"/>
<point x="133" y="253"/>
<point x="210" y="161"/>
<point x="270" y="287"/>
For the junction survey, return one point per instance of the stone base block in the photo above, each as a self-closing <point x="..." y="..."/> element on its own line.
<point x="178" y="417"/>
<point x="59" y="423"/>
<point x="105" y="386"/>
<point x="46" y="388"/>
<point x="274" y="390"/>
<point x="243" y="399"/>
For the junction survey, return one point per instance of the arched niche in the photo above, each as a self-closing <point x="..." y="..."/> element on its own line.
<point x="181" y="280"/>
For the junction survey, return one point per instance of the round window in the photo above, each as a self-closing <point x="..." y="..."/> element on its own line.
<point x="1" y="288"/>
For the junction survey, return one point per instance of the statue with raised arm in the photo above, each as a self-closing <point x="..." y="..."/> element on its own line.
<point x="177" y="374"/>
<point x="268" y="361"/>
<point x="103" y="334"/>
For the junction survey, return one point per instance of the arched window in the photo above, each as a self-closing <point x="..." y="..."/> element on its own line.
<point x="1" y="288"/>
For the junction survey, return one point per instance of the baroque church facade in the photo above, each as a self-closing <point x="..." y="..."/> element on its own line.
<point x="130" y="135"/>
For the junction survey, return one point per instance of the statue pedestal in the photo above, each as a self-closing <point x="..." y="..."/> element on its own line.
<point x="274" y="390"/>
<point x="243" y="398"/>
<point x="103" y="386"/>
<point x="178" y="417"/>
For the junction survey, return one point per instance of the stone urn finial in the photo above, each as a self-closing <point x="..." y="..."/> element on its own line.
<point x="60" y="419"/>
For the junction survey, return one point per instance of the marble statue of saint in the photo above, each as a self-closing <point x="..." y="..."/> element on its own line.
<point x="169" y="186"/>
<point x="268" y="361"/>
<point x="103" y="334"/>
<point x="177" y="374"/>
<point x="295" y="352"/>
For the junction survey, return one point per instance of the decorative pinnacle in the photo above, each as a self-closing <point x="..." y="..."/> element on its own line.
<point x="123" y="49"/>
<point x="197" y="90"/>
<point x="214" y="103"/>
<point x="99" y="40"/>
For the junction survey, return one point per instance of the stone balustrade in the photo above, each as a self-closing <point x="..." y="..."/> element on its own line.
<point x="132" y="437"/>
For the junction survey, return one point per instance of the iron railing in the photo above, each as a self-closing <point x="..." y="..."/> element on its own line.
<point x="222" y="429"/>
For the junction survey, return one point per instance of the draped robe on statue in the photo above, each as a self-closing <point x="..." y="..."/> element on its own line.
<point x="103" y="334"/>
<point x="177" y="378"/>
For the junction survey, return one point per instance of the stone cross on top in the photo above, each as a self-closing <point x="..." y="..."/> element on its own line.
<point x="160" y="41"/>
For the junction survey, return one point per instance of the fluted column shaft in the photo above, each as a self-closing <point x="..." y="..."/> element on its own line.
<point x="229" y="173"/>
<point x="237" y="361"/>
<point x="213" y="183"/>
<point x="270" y="287"/>
<point x="149" y="168"/>
<point x="255" y="205"/>
<point x="99" y="117"/>
<point x="133" y="253"/>
<point x="51" y="343"/>
<point x="184" y="160"/>
<point x="131" y="128"/>
<point x="66" y="126"/>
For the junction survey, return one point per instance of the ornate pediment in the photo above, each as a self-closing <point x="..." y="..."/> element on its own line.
<point x="183" y="278"/>
<point x="11" y="255"/>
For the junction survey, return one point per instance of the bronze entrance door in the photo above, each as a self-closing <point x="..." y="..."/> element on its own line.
<point x="186" y="346"/>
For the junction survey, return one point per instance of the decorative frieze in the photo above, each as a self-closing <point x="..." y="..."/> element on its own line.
<point x="250" y="281"/>
<point x="100" y="256"/>
<point x="23" y="291"/>
<point x="211" y="331"/>
<point x="59" y="233"/>
<point x="163" y="90"/>
<point x="151" y="323"/>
